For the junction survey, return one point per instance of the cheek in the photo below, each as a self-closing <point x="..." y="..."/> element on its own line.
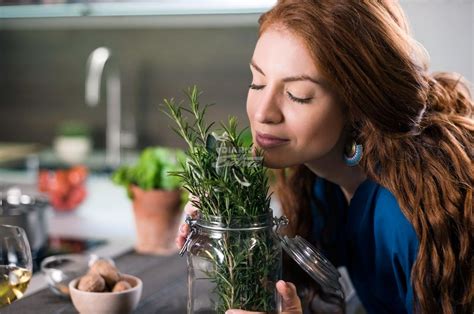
<point x="247" y="106"/>
<point x="250" y="108"/>
<point x="318" y="132"/>
<point x="324" y="142"/>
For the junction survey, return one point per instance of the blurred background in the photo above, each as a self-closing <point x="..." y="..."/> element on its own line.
<point x="158" y="48"/>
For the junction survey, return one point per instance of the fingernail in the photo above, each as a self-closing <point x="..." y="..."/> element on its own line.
<point x="181" y="228"/>
<point x="282" y="282"/>
<point x="229" y="312"/>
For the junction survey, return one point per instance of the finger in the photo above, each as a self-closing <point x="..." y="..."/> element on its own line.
<point x="189" y="208"/>
<point x="183" y="230"/>
<point x="291" y="301"/>
<point x="181" y="236"/>
<point x="179" y="242"/>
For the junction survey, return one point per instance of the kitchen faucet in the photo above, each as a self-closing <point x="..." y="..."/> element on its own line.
<point x="95" y="68"/>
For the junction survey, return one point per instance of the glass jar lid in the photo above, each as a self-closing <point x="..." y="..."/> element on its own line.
<point x="314" y="263"/>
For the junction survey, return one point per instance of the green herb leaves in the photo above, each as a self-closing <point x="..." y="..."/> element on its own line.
<point x="220" y="170"/>
<point x="152" y="170"/>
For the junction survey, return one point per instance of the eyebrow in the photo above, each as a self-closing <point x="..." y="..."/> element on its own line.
<point x="290" y="78"/>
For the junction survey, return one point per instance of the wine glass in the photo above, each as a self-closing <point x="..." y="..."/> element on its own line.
<point x="16" y="265"/>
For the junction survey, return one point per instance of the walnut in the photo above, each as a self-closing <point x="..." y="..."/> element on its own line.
<point x="105" y="269"/>
<point x="91" y="282"/>
<point x="122" y="285"/>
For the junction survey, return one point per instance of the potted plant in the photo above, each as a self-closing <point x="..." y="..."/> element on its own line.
<point x="73" y="142"/>
<point x="156" y="198"/>
<point x="234" y="257"/>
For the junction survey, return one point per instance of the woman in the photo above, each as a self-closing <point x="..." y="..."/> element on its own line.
<point x="378" y="152"/>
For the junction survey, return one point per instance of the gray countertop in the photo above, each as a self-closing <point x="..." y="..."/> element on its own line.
<point x="164" y="287"/>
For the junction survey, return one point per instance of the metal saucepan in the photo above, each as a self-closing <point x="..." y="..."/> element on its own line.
<point x="27" y="212"/>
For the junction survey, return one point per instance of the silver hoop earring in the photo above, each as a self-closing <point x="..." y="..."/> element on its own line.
<point x="354" y="154"/>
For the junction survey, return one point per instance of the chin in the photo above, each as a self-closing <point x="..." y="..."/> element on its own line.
<point x="277" y="161"/>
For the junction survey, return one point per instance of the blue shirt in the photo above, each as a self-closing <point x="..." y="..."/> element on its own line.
<point x="373" y="239"/>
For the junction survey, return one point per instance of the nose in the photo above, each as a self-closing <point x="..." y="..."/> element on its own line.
<point x="268" y="110"/>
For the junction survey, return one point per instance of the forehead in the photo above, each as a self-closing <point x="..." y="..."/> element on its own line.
<point x="280" y="51"/>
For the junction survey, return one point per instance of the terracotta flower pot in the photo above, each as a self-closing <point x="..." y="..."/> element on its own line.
<point x="157" y="214"/>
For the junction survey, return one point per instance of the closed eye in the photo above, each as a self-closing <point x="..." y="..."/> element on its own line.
<point x="256" y="87"/>
<point x="299" y="100"/>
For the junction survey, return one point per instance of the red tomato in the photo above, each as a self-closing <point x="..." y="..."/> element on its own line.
<point x="43" y="181"/>
<point x="65" y="187"/>
<point x="77" y="175"/>
<point x="76" y="196"/>
<point x="58" y="183"/>
<point x="57" y="201"/>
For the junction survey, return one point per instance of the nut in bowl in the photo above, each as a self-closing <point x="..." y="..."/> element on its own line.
<point x="59" y="270"/>
<point x="117" y="301"/>
<point x="105" y="290"/>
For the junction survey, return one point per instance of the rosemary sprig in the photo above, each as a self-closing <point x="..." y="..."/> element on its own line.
<point x="220" y="169"/>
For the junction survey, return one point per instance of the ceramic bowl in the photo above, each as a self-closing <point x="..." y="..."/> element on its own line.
<point x="59" y="270"/>
<point x="107" y="302"/>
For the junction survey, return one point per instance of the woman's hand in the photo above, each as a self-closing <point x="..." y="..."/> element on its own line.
<point x="183" y="231"/>
<point x="291" y="301"/>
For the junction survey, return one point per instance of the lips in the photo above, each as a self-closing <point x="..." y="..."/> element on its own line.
<point x="266" y="141"/>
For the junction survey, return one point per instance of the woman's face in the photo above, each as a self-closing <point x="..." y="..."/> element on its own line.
<point x="293" y="118"/>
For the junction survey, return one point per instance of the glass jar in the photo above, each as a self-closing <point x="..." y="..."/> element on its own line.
<point x="233" y="264"/>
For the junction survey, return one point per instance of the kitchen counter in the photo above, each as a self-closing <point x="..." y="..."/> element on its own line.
<point x="164" y="287"/>
<point x="14" y="151"/>
<point x="106" y="212"/>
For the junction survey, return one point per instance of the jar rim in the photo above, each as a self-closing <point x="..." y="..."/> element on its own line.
<point x="236" y="223"/>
